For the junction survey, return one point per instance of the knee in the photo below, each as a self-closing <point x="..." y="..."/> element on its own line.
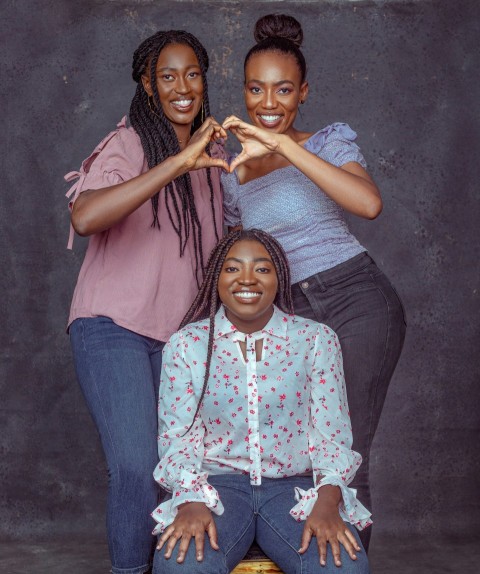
<point x="138" y="478"/>
<point x="213" y="563"/>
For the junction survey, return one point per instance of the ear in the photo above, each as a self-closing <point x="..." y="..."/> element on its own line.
<point x="147" y="86"/>
<point x="304" y="92"/>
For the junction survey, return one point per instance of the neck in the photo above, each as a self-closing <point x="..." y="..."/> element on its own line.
<point x="183" y="135"/>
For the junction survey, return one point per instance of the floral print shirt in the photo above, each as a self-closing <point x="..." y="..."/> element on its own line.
<point x="283" y="415"/>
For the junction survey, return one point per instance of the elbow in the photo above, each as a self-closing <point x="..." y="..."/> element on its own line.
<point x="80" y="222"/>
<point x="374" y="208"/>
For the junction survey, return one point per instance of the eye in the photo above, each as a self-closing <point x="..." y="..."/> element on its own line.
<point x="284" y="91"/>
<point x="254" y="90"/>
<point x="230" y="269"/>
<point x="193" y="74"/>
<point x="167" y="77"/>
<point x="263" y="270"/>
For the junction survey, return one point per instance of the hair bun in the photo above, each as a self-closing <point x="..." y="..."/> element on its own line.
<point x="279" y="26"/>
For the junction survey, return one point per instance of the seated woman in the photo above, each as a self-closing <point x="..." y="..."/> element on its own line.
<point x="254" y="430"/>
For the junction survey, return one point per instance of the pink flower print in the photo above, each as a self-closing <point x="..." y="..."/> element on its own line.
<point x="298" y="422"/>
<point x="278" y="347"/>
<point x="230" y="400"/>
<point x="264" y="377"/>
<point x="267" y="406"/>
<point x="283" y="396"/>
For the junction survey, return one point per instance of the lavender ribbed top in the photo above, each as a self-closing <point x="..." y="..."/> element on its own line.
<point x="308" y="224"/>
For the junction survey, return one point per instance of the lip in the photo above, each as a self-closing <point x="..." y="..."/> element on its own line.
<point x="265" y="121"/>
<point x="179" y="105"/>
<point x="247" y="296"/>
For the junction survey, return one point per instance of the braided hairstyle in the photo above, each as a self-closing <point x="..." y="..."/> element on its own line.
<point x="160" y="141"/>
<point x="279" y="33"/>
<point x="207" y="302"/>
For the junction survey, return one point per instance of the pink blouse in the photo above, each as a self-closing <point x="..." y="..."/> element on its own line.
<point x="133" y="273"/>
<point x="284" y="415"/>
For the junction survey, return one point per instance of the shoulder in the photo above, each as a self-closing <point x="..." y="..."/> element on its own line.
<point x="187" y="337"/>
<point x="120" y="146"/>
<point x="336" y="144"/>
<point x="126" y="143"/>
<point x="332" y="133"/>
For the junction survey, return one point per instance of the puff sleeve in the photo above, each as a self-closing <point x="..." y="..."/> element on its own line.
<point x="336" y="144"/>
<point x="117" y="158"/>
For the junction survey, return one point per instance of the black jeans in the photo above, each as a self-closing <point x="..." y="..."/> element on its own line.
<point x="360" y="304"/>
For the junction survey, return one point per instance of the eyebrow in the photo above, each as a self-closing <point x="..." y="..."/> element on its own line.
<point x="257" y="260"/>
<point x="167" y="69"/>
<point x="275" y="84"/>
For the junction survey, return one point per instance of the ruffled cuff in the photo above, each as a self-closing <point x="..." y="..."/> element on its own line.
<point x="195" y="488"/>
<point x="351" y="510"/>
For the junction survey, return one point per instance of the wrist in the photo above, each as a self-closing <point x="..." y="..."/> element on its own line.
<point x="329" y="494"/>
<point x="286" y="146"/>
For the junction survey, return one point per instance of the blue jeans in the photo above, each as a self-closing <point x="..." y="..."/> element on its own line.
<point x="359" y="303"/>
<point x="261" y="513"/>
<point x="119" y="372"/>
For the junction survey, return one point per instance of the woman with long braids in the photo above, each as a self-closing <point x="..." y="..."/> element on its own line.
<point x="297" y="185"/>
<point x="150" y="198"/>
<point x="254" y="433"/>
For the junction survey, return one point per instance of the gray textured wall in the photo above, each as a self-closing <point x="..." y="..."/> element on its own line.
<point x="404" y="74"/>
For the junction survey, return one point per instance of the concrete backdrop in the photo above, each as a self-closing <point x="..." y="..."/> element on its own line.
<point x="404" y="74"/>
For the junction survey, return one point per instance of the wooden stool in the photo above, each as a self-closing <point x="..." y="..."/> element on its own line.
<point x="255" y="562"/>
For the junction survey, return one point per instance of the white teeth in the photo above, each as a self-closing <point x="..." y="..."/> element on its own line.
<point x="182" y="103"/>
<point x="270" y="118"/>
<point x="246" y="294"/>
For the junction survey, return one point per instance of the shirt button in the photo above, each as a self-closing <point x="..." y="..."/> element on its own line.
<point x="305" y="285"/>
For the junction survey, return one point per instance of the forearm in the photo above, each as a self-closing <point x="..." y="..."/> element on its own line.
<point x="99" y="209"/>
<point x="349" y="186"/>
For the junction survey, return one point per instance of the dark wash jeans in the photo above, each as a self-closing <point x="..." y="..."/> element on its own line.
<point x="119" y="373"/>
<point x="360" y="304"/>
<point x="262" y="513"/>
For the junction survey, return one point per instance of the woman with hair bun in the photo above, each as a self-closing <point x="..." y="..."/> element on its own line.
<point x="296" y="186"/>
<point x="149" y="197"/>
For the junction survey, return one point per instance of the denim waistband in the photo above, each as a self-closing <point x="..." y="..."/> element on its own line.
<point x="340" y="271"/>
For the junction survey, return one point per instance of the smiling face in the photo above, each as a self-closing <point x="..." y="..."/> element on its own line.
<point x="179" y="85"/>
<point x="247" y="285"/>
<point x="273" y="90"/>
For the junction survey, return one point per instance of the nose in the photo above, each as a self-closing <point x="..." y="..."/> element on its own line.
<point x="247" y="276"/>
<point x="181" y="86"/>
<point x="269" y="100"/>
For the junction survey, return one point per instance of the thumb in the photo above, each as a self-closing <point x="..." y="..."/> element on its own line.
<point x="241" y="158"/>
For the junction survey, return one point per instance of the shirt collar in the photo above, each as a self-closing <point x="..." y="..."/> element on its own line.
<point x="276" y="327"/>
